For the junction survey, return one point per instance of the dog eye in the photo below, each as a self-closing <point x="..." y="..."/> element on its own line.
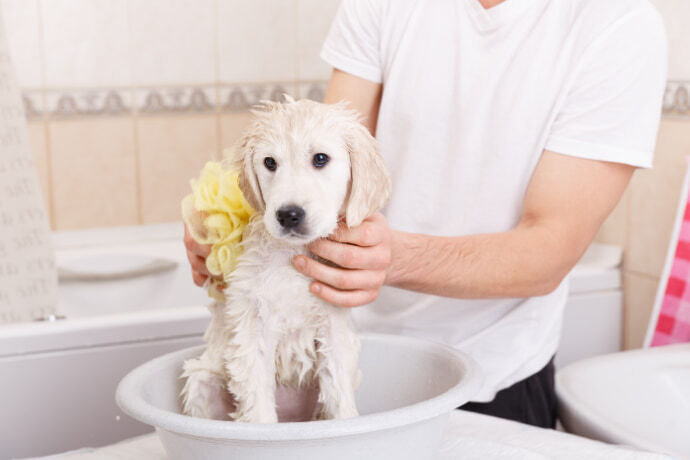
<point x="320" y="160"/>
<point x="270" y="163"/>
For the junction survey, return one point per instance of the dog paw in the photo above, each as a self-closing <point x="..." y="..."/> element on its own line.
<point x="255" y="416"/>
<point x="340" y="412"/>
<point x="204" y="396"/>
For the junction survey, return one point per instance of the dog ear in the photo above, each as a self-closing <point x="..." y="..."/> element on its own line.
<point x="370" y="184"/>
<point x="248" y="182"/>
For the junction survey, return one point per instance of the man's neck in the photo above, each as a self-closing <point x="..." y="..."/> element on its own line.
<point x="490" y="3"/>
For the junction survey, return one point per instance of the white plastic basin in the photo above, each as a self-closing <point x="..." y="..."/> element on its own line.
<point x="409" y="388"/>
<point x="638" y="398"/>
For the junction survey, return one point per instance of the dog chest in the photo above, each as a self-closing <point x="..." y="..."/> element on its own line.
<point x="266" y="281"/>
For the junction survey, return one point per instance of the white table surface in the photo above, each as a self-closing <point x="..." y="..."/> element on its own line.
<point x="468" y="436"/>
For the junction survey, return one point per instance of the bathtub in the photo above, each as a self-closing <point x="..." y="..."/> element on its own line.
<point x="125" y="296"/>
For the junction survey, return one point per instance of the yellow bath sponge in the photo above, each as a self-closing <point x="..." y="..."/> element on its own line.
<point x="217" y="213"/>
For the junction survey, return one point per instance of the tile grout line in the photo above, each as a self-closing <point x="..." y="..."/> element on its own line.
<point x="628" y="331"/>
<point x="626" y="235"/>
<point x="216" y="70"/>
<point x="298" y="70"/>
<point x="199" y="84"/>
<point x="135" y="116"/>
<point x="626" y="240"/>
<point x="219" y="128"/>
<point x="625" y="314"/>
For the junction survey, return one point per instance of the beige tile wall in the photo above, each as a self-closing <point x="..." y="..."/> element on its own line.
<point x="173" y="41"/>
<point x="676" y="14"/>
<point x="171" y="149"/>
<point x="127" y="99"/>
<point x="94" y="178"/>
<point x="642" y="224"/>
<point x="124" y="170"/>
<point x="231" y="127"/>
<point x="85" y="43"/>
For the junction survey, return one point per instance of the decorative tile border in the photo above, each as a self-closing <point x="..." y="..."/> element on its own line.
<point x="155" y="101"/>
<point x="677" y="99"/>
<point x="33" y="104"/>
<point x="211" y="98"/>
<point x="240" y="98"/>
<point x="314" y="90"/>
<point x="86" y="103"/>
<point x="66" y="104"/>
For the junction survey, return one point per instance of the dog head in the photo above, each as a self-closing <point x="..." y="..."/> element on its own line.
<point x="306" y="165"/>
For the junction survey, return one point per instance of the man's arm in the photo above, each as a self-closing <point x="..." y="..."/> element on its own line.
<point x="360" y="94"/>
<point x="566" y="202"/>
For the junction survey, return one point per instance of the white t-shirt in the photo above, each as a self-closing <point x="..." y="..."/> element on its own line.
<point x="471" y="98"/>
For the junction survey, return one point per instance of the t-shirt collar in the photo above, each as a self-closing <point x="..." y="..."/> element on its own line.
<point x="490" y="19"/>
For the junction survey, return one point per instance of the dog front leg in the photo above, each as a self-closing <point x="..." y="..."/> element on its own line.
<point x="204" y="394"/>
<point x="250" y="367"/>
<point x="337" y="368"/>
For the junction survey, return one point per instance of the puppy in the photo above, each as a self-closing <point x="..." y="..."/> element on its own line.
<point x="303" y="167"/>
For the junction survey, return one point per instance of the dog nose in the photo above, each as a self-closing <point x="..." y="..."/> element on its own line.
<point x="290" y="216"/>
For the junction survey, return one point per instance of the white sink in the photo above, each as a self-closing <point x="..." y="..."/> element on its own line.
<point x="638" y="398"/>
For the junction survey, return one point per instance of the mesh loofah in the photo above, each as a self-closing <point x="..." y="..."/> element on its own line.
<point x="217" y="213"/>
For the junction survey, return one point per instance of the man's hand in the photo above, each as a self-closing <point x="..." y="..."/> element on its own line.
<point x="362" y="253"/>
<point x="196" y="254"/>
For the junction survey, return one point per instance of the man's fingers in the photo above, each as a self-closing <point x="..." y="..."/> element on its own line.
<point x="198" y="264"/>
<point x="362" y="235"/>
<point x="199" y="279"/>
<point x="365" y="234"/>
<point x="350" y="256"/>
<point x="340" y="298"/>
<point x="339" y="278"/>
<point x="192" y="246"/>
<point x="202" y="250"/>
<point x="199" y="271"/>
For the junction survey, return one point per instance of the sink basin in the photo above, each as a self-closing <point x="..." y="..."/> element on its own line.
<point x="639" y="398"/>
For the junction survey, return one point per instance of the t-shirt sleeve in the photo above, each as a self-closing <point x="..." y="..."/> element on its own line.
<point x="611" y="111"/>
<point x="352" y="44"/>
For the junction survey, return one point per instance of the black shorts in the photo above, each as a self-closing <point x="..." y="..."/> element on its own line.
<point x="531" y="401"/>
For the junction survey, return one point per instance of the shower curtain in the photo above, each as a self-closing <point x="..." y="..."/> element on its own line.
<point x="28" y="279"/>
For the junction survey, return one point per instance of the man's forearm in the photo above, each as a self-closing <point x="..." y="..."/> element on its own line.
<point x="524" y="262"/>
<point x="566" y="202"/>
